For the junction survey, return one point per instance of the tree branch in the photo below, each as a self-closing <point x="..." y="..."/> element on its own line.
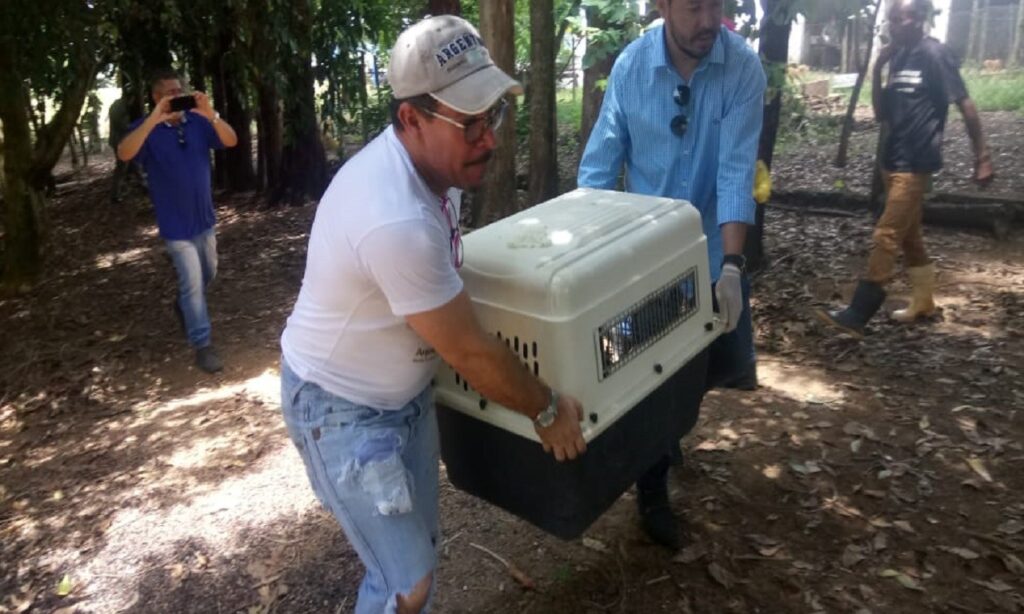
<point x="54" y="135"/>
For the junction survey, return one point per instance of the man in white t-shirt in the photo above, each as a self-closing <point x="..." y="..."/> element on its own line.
<point x="382" y="302"/>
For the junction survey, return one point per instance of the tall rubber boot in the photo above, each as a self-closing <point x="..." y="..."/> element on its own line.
<point x="867" y="299"/>
<point x="922" y="302"/>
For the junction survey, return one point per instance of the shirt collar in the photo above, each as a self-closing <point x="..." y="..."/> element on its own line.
<point x="661" y="58"/>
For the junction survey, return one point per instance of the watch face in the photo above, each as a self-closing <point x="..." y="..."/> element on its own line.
<point x="546" y="418"/>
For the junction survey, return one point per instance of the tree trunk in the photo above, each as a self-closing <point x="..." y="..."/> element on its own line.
<point x="976" y="37"/>
<point x="27" y="168"/>
<point x="1018" y="38"/>
<point x="234" y="166"/>
<point x="593" y="95"/>
<point x="303" y="160"/>
<point x="543" y="170"/>
<point x="270" y="133"/>
<point x="23" y="203"/>
<point x="238" y="160"/>
<point x="220" y="95"/>
<point x="72" y="150"/>
<point x="844" y="137"/>
<point x="774" y="49"/>
<point x="497" y="197"/>
<point x="82" y="145"/>
<point x="445" y="7"/>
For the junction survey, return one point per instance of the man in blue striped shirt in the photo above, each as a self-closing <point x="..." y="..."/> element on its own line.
<point x="682" y="113"/>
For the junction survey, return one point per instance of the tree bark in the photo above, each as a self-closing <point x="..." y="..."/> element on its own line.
<point x="976" y="37"/>
<point x="1018" y="38"/>
<point x="444" y="7"/>
<point x="27" y="168"/>
<point x="774" y="49"/>
<point x="543" y="169"/>
<point x="593" y="95"/>
<point x="303" y="160"/>
<point x="497" y="197"/>
<point x="270" y="132"/>
<point x="238" y="172"/>
<point x="844" y="137"/>
<point x="220" y="95"/>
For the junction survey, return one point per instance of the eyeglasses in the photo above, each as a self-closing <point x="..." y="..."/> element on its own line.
<point x="455" y="236"/>
<point x="477" y="127"/>
<point x="681" y="121"/>
<point x="181" y="135"/>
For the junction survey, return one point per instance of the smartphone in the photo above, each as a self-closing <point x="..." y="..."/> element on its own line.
<point x="183" y="103"/>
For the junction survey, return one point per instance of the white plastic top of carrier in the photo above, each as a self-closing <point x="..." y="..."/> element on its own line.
<point x="560" y="257"/>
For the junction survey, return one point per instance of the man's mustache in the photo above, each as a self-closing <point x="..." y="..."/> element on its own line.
<point x="484" y="159"/>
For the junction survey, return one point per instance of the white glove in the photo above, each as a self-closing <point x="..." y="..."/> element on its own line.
<point x="730" y="296"/>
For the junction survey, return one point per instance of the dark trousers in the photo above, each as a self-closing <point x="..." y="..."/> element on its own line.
<point x="730" y="358"/>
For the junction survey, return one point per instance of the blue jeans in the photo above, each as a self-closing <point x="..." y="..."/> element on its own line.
<point x="731" y="356"/>
<point x="377" y="472"/>
<point x="195" y="260"/>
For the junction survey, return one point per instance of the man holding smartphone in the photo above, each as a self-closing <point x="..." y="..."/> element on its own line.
<point x="173" y="144"/>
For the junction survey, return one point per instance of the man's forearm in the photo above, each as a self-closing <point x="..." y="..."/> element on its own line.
<point x="225" y="133"/>
<point x="734" y="236"/>
<point x="497" y="374"/>
<point x="876" y="91"/>
<point x="973" y="124"/>
<point x="130" y="145"/>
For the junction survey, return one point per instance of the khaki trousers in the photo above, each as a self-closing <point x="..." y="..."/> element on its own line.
<point x="899" y="227"/>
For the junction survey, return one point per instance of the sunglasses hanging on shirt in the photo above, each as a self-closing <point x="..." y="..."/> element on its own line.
<point x="681" y="121"/>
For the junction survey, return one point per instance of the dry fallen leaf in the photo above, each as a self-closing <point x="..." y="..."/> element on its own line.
<point x="995" y="585"/>
<point x="64" y="587"/>
<point x="964" y="553"/>
<point x="22" y="604"/>
<point x="904" y="580"/>
<point x="524" y="580"/>
<point x="1011" y="527"/>
<point x="595" y="544"/>
<point x="979" y="467"/>
<point x="852" y="555"/>
<point x="1012" y="563"/>
<point x="721" y="575"/>
<point x="690" y="554"/>
<point x="903" y="525"/>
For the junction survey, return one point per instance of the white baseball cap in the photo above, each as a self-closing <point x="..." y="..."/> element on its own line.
<point x="445" y="57"/>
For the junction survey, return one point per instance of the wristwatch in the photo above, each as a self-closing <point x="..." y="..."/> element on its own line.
<point x="216" y="117"/>
<point x="737" y="260"/>
<point x="547" y="417"/>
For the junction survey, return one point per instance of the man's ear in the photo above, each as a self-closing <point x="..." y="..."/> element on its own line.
<point x="409" y="117"/>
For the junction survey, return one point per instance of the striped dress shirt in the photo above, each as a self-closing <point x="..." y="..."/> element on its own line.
<point x="712" y="165"/>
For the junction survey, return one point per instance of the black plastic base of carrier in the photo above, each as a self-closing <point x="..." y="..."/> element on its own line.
<point x="563" y="499"/>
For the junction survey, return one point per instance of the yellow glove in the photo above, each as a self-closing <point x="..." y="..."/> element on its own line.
<point x="762" y="183"/>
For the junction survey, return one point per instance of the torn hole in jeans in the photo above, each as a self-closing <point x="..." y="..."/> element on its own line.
<point x="378" y="471"/>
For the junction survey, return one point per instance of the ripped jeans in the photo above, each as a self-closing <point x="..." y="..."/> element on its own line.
<point x="377" y="472"/>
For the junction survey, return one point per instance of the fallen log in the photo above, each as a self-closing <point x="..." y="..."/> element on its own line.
<point x="989" y="212"/>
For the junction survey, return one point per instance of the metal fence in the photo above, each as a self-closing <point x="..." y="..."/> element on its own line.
<point x="996" y="32"/>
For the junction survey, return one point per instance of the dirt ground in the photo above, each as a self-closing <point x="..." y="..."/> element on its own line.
<point x="873" y="476"/>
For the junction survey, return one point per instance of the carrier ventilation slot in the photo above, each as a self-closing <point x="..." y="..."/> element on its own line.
<point x="628" y="334"/>
<point x="526" y="348"/>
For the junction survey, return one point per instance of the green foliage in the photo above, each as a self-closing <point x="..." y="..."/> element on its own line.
<point x="569" y="111"/>
<point x="347" y="38"/>
<point x="613" y="24"/>
<point x="996" y="92"/>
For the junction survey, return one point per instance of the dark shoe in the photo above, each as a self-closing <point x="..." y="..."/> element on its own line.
<point x="867" y="299"/>
<point x="657" y="518"/>
<point x="746" y="381"/>
<point x="207" y="360"/>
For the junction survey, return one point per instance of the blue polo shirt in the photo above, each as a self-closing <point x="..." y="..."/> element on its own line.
<point x="712" y="165"/>
<point x="177" y="163"/>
